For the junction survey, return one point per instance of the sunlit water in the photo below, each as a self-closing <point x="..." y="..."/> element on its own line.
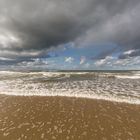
<point x="116" y="86"/>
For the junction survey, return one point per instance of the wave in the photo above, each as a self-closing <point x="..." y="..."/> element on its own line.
<point x="105" y="86"/>
<point x="61" y="75"/>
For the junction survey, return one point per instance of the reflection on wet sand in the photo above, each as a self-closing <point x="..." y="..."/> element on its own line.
<point x="64" y="118"/>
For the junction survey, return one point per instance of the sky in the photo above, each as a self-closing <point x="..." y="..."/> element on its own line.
<point x="69" y="34"/>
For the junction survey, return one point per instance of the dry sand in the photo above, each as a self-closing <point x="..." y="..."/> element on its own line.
<point x="64" y="118"/>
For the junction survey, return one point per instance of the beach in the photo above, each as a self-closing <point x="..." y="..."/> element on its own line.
<point x="67" y="118"/>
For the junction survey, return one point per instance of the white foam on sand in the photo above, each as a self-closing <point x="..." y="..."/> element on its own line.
<point x="132" y="75"/>
<point x="66" y="94"/>
<point x="128" y="77"/>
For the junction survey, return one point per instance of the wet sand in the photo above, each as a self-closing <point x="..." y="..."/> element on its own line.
<point x="63" y="118"/>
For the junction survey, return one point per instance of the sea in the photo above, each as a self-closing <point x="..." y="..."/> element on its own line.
<point x="116" y="86"/>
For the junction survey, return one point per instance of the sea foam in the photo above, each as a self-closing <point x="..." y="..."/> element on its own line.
<point x="118" y="87"/>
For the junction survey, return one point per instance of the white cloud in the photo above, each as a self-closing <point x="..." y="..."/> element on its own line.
<point x="122" y="62"/>
<point x="129" y="52"/>
<point x="82" y="60"/>
<point x="131" y="61"/>
<point x="4" y="58"/>
<point x="69" y="59"/>
<point x="105" y="61"/>
<point x="113" y="62"/>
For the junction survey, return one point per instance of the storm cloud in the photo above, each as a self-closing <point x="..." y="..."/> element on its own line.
<point x="29" y="29"/>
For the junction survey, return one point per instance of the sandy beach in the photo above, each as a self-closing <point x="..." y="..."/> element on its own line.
<point x="63" y="118"/>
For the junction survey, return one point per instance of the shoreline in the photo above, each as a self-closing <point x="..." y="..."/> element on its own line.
<point x="120" y="101"/>
<point x="66" y="118"/>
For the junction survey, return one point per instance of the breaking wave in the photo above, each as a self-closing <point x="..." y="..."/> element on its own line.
<point x="112" y="86"/>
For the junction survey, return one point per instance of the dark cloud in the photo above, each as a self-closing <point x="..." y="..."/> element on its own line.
<point x="30" y="28"/>
<point x="130" y="53"/>
<point x="120" y="28"/>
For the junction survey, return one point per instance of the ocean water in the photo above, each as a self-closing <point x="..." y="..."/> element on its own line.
<point x="106" y="85"/>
